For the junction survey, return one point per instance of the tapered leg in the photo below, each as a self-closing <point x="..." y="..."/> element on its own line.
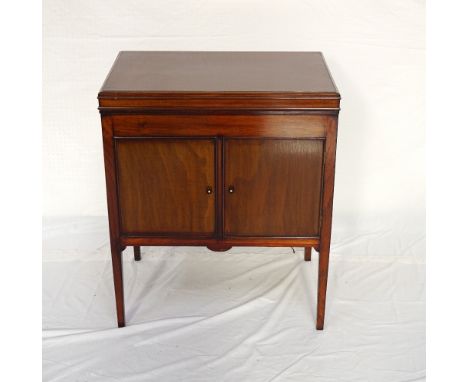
<point x="327" y="208"/>
<point x="307" y="253"/>
<point x="118" y="286"/>
<point x="137" y="253"/>
<point x="112" y="209"/>
<point x="322" y="286"/>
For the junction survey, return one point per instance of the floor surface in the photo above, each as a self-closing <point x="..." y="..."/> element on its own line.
<point x="243" y="315"/>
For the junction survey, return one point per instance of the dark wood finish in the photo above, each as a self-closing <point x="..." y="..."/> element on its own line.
<point x="158" y="73"/>
<point x="137" y="252"/>
<point x="284" y="126"/>
<point x="219" y="81"/>
<point x="216" y="103"/>
<point x="181" y="128"/>
<point x="219" y="247"/>
<point x="327" y="209"/>
<point x="272" y="187"/>
<point x="219" y="191"/>
<point x="226" y="242"/>
<point x="113" y="215"/>
<point x="163" y="185"/>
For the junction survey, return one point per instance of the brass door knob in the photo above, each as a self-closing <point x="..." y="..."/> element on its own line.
<point x="209" y="190"/>
<point x="231" y="189"/>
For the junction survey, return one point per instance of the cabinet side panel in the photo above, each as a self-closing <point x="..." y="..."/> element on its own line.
<point x="163" y="186"/>
<point x="273" y="187"/>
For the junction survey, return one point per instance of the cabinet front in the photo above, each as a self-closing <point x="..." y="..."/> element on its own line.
<point x="272" y="187"/>
<point x="166" y="186"/>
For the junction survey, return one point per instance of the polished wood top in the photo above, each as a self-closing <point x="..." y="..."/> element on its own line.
<point x="193" y="72"/>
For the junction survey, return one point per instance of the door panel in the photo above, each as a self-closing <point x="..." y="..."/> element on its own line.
<point x="272" y="187"/>
<point x="163" y="185"/>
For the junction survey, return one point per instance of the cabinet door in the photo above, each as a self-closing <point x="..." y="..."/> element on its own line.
<point x="272" y="187"/>
<point x="166" y="186"/>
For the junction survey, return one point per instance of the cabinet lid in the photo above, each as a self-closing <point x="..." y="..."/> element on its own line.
<point x="219" y="80"/>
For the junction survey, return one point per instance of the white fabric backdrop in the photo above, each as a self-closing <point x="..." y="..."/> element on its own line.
<point x="375" y="316"/>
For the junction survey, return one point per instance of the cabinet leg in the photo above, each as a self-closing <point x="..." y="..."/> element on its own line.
<point x="327" y="208"/>
<point x="322" y="286"/>
<point x="137" y="253"/>
<point x="118" y="286"/>
<point x="307" y="253"/>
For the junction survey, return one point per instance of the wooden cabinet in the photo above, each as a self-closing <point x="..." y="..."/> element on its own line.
<point x="219" y="149"/>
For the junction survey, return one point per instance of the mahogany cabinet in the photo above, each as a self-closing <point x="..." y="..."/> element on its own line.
<point x="219" y="149"/>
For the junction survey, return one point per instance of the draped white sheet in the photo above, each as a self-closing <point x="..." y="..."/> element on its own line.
<point x="244" y="315"/>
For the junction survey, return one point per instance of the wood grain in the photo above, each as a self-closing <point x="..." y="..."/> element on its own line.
<point x="113" y="215"/>
<point x="266" y="72"/>
<point x="163" y="185"/>
<point x="327" y="208"/>
<point x="219" y="81"/>
<point x="222" y="103"/>
<point x="226" y="242"/>
<point x="277" y="184"/>
<point x="219" y="194"/>
<point x="293" y="126"/>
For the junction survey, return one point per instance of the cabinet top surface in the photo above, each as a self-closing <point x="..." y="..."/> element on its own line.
<point x="149" y="72"/>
